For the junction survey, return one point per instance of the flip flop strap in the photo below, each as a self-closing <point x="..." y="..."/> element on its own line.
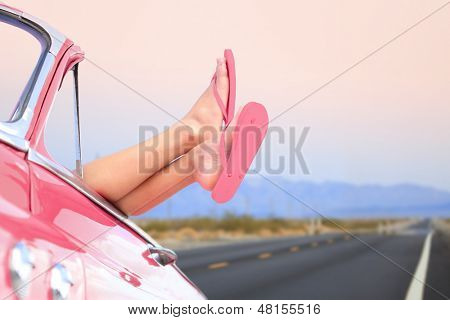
<point x="222" y="106"/>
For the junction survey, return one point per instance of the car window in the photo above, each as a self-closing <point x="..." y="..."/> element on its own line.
<point x="20" y="53"/>
<point x="60" y="127"/>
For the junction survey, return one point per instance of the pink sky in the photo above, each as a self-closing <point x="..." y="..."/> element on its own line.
<point x="385" y="121"/>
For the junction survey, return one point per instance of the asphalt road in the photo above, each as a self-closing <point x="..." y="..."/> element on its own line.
<point x="334" y="266"/>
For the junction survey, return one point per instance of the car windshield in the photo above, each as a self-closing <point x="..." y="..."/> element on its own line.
<point x="19" y="62"/>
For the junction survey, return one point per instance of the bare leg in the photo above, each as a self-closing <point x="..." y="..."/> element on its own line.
<point x="117" y="175"/>
<point x="159" y="187"/>
<point x="201" y="165"/>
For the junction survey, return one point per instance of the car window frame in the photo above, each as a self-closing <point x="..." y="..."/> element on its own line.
<point x="72" y="72"/>
<point x="44" y="41"/>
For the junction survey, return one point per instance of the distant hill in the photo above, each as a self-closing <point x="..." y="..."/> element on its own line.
<point x="335" y="199"/>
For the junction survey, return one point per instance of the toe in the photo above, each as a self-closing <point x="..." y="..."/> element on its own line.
<point x="221" y="67"/>
<point x="222" y="78"/>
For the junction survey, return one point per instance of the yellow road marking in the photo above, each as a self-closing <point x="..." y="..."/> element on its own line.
<point x="265" y="255"/>
<point x="330" y="241"/>
<point x="294" y="249"/>
<point x="218" y="265"/>
<point x="314" y="244"/>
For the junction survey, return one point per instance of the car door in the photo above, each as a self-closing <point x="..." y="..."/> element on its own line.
<point x="110" y="242"/>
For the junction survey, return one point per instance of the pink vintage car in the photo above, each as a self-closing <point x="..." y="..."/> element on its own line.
<point x="58" y="238"/>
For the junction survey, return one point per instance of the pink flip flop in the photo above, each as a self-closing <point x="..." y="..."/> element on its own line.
<point x="247" y="137"/>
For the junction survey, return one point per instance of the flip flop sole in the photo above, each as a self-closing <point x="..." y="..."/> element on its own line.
<point x="247" y="137"/>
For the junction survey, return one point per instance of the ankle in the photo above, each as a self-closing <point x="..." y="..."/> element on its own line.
<point x="186" y="134"/>
<point x="194" y="132"/>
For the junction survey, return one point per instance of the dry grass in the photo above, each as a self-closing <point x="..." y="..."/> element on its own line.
<point x="357" y="224"/>
<point x="234" y="227"/>
<point x="230" y="226"/>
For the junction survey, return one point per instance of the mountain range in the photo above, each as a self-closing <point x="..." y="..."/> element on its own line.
<point x="281" y="197"/>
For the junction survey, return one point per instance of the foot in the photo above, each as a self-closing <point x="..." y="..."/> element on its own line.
<point x="207" y="164"/>
<point x="205" y="118"/>
<point x="207" y="160"/>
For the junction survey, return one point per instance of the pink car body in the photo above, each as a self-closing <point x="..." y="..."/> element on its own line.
<point x="58" y="238"/>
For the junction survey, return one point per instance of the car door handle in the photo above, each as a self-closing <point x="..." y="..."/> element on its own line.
<point x="163" y="256"/>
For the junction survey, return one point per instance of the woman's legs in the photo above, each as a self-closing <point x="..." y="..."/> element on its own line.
<point x="117" y="175"/>
<point x="159" y="187"/>
<point x="201" y="164"/>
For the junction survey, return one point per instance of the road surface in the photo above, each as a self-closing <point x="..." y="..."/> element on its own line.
<point x="334" y="266"/>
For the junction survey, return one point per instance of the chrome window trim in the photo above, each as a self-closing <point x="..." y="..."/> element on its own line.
<point x="13" y="141"/>
<point x="79" y="185"/>
<point x="76" y="119"/>
<point x="20" y="127"/>
<point x="10" y="10"/>
<point x="23" y="114"/>
<point x="57" y="37"/>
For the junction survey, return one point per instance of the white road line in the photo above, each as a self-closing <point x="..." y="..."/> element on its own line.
<point x="416" y="287"/>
